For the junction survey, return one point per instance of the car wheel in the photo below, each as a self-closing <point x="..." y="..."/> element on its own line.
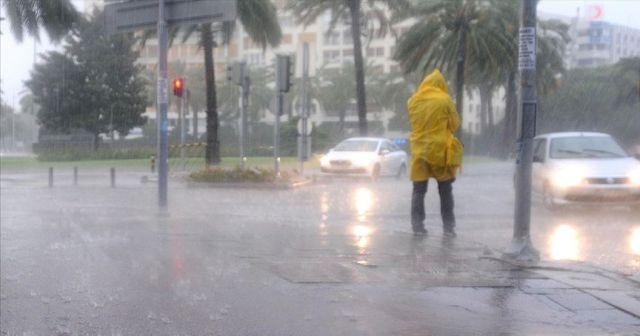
<point x="402" y="171"/>
<point x="375" y="173"/>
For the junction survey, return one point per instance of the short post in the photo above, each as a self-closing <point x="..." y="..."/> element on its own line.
<point x="75" y="175"/>
<point x="50" y="177"/>
<point x="153" y="164"/>
<point x="113" y="177"/>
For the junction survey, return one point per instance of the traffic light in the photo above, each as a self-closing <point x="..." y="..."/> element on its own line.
<point x="284" y="73"/>
<point x="178" y="86"/>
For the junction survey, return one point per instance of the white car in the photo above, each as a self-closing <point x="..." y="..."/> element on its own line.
<point x="584" y="168"/>
<point x="365" y="156"/>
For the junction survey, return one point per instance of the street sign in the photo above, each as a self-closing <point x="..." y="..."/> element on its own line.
<point x="131" y="15"/>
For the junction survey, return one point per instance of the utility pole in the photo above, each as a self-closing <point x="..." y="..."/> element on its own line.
<point x="303" y="137"/>
<point x="182" y="128"/>
<point x="245" y="82"/>
<point x="163" y="105"/>
<point x="283" y="84"/>
<point x="521" y="246"/>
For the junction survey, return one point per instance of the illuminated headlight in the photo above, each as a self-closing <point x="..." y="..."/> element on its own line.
<point x="565" y="178"/>
<point x="634" y="177"/>
<point x="324" y="161"/>
<point x="362" y="161"/>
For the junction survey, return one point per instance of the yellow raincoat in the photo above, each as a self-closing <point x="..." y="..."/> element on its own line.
<point x="435" y="151"/>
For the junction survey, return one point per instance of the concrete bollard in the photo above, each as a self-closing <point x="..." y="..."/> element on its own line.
<point x="113" y="177"/>
<point x="50" y="177"/>
<point x="75" y="175"/>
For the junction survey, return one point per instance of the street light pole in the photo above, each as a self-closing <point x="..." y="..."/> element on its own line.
<point x="521" y="246"/>
<point x="163" y="105"/>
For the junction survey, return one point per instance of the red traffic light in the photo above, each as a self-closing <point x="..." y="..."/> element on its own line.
<point x="178" y="85"/>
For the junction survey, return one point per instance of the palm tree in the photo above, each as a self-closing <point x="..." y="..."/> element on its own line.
<point x="56" y="17"/>
<point x="448" y="33"/>
<point x="259" y="19"/>
<point x="308" y="11"/>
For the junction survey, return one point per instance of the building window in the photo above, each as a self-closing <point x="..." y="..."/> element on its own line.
<point x="331" y="56"/>
<point x="332" y="39"/>
<point x="375" y="52"/>
<point x="347" y="52"/>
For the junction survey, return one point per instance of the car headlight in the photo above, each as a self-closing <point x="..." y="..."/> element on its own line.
<point x="324" y="161"/>
<point x="634" y="177"/>
<point x="362" y="161"/>
<point x="564" y="178"/>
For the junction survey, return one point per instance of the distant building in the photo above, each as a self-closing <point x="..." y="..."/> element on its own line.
<point x="595" y="42"/>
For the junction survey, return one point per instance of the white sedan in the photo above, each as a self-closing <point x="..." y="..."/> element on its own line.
<point x="365" y="156"/>
<point x="584" y="168"/>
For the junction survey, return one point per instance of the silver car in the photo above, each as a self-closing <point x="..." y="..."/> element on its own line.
<point x="584" y="167"/>
<point x="365" y="156"/>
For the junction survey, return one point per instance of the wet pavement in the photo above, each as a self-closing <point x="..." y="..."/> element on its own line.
<point x="332" y="258"/>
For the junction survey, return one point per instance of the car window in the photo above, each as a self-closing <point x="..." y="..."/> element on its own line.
<point x="540" y="148"/>
<point x="357" y="146"/>
<point x="585" y="147"/>
<point x="386" y="145"/>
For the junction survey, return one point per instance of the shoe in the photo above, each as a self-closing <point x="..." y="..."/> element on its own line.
<point x="420" y="232"/>
<point x="451" y="233"/>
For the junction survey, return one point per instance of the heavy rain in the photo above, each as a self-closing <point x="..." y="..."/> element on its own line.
<point x="257" y="167"/>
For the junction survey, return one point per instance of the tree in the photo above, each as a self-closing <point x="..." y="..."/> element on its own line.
<point x="350" y="11"/>
<point x="336" y="91"/>
<point x="259" y="19"/>
<point x="390" y="91"/>
<point x="93" y="85"/>
<point x="56" y="17"/>
<point x="589" y="100"/>
<point x="448" y="33"/>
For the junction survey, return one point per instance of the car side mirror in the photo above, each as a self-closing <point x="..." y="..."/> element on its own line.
<point x="384" y="152"/>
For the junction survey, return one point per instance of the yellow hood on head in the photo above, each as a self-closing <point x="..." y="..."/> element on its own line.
<point x="435" y="80"/>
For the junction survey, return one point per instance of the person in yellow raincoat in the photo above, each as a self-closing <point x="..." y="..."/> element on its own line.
<point x="435" y="151"/>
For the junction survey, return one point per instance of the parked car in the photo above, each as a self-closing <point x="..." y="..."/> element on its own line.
<point x="365" y="156"/>
<point x="584" y="168"/>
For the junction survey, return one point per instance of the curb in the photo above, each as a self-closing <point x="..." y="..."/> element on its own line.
<point x="249" y="185"/>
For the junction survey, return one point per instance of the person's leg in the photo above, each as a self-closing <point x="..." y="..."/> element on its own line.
<point x="445" y="189"/>
<point x="417" y="206"/>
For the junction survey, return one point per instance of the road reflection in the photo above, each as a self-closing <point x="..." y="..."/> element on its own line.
<point x="362" y="237"/>
<point x="363" y="200"/>
<point x="634" y="241"/>
<point x="564" y="244"/>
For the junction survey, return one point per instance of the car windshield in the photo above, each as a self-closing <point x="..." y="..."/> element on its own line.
<point x="357" y="146"/>
<point x="585" y="147"/>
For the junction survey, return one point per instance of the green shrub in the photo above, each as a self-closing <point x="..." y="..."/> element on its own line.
<point x="238" y="174"/>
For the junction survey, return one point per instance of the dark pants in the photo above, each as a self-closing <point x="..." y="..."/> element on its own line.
<point x="446" y="204"/>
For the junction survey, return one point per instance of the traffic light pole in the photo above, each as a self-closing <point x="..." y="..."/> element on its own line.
<point x="244" y="103"/>
<point x="521" y="246"/>
<point x="182" y="129"/>
<point x="163" y="105"/>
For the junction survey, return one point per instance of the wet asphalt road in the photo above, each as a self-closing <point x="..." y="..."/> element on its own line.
<point x="335" y="257"/>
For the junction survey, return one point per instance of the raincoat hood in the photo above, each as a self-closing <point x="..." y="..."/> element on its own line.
<point x="435" y="80"/>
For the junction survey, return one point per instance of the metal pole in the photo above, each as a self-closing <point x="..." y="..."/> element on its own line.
<point x="276" y="133"/>
<point x="75" y="175"/>
<point x="50" y="177"/>
<point x="182" y="131"/>
<point x="163" y="104"/>
<point x="521" y="246"/>
<point x="244" y="102"/>
<point x="112" y="172"/>
<point x="305" y="106"/>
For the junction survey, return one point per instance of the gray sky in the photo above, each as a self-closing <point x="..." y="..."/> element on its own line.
<point x="17" y="58"/>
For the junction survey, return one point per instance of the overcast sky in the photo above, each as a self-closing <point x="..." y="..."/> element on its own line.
<point x="17" y="58"/>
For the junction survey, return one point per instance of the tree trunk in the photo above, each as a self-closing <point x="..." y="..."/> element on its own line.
<point x="341" y="117"/>
<point x="212" y="155"/>
<point x="460" y="62"/>
<point x="354" y="9"/>
<point x="483" y="107"/>
<point x="490" y="108"/>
